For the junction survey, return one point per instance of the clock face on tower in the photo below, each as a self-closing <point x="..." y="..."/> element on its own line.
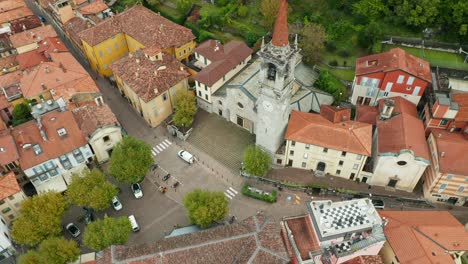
<point x="268" y="106"/>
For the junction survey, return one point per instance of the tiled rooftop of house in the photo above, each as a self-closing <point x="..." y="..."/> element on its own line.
<point x="93" y="8"/>
<point x="34" y="35"/>
<point x="394" y="59"/>
<point x="15" y="14"/>
<point x="451" y="147"/>
<point x="404" y="130"/>
<point x="5" y="43"/>
<point x="75" y="26"/>
<point x="302" y="232"/>
<point x="424" y="236"/>
<point x="223" y="59"/>
<point x="349" y="136"/>
<point x="367" y="114"/>
<point x="8" y="150"/>
<point x="7" y="5"/>
<point x="333" y="218"/>
<point x="92" y="117"/>
<point x="27" y="135"/>
<point x="8" y="185"/>
<point x="42" y="54"/>
<point x="30" y="59"/>
<point x="25" y="23"/>
<point x="8" y="62"/>
<point x="143" y="25"/>
<point x="256" y="239"/>
<point x="10" y="78"/>
<point x="149" y="78"/>
<point x="462" y="100"/>
<point x="377" y="259"/>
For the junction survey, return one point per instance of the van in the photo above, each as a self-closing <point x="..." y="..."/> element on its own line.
<point x="134" y="223"/>
<point x="186" y="156"/>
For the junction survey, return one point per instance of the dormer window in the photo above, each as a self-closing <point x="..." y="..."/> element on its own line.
<point x="372" y="63"/>
<point x="62" y="131"/>
<point x="37" y="149"/>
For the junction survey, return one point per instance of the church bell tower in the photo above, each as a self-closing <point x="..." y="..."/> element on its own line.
<point x="276" y="76"/>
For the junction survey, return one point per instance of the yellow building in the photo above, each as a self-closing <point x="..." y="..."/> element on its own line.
<point x="131" y="30"/>
<point x="149" y="79"/>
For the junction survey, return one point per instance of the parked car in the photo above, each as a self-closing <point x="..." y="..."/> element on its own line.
<point x="378" y="204"/>
<point x="73" y="230"/>
<point x="89" y="215"/>
<point x="134" y="223"/>
<point x="186" y="156"/>
<point x="137" y="191"/>
<point x="116" y="203"/>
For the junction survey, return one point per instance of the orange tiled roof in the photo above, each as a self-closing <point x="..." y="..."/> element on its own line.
<point x="78" y="2"/>
<point x="366" y="114"/>
<point x="8" y="62"/>
<point x="304" y="235"/>
<point x="55" y="146"/>
<point x="8" y="185"/>
<point x="392" y="60"/>
<point x="143" y="25"/>
<point x="30" y="59"/>
<point x="75" y="26"/>
<point x="455" y="148"/>
<point x="280" y="32"/>
<point x="424" y="236"/>
<point x="9" y="153"/>
<point x="377" y="259"/>
<point x="93" y="8"/>
<point x="10" y="78"/>
<point x="462" y="100"/>
<point x="15" y="14"/>
<point x="335" y="114"/>
<point x="404" y="130"/>
<point x="7" y="5"/>
<point x="3" y="104"/>
<point x="349" y="136"/>
<point x="92" y="117"/>
<point x="149" y="79"/>
<point x="34" y="35"/>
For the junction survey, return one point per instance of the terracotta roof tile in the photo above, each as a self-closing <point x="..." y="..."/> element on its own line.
<point x="42" y="54"/>
<point x="462" y="100"/>
<point x="8" y="185"/>
<point x="3" y="104"/>
<point x="350" y="136"/>
<point x="366" y="114"/>
<point x="377" y="259"/>
<point x="93" y="8"/>
<point x="8" y="62"/>
<point x="25" y="23"/>
<point x="454" y="146"/>
<point x="223" y="60"/>
<point x="404" y="130"/>
<point x="9" y="153"/>
<point x="224" y="244"/>
<point x="139" y="73"/>
<point x="34" y="35"/>
<point x="143" y="25"/>
<point x="335" y="114"/>
<point x="280" y="32"/>
<point x="7" y="5"/>
<point x="30" y="59"/>
<point x="424" y="236"/>
<point x="15" y="14"/>
<point x="304" y="235"/>
<point x="92" y="117"/>
<point x="392" y="60"/>
<point x="55" y="146"/>
<point x="10" y="78"/>
<point x="75" y="26"/>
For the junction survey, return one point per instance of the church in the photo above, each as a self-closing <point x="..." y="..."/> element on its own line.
<point x="258" y="94"/>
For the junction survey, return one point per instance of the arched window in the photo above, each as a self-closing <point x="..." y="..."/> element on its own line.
<point x="271" y="72"/>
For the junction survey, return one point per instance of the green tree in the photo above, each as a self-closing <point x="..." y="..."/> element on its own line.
<point x="40" y="218"/>
<point x="153" y="2"/>
<point x="205" y="207"/>
<point x="256" y="161"/>
<point x="330" y="84"/>
<point x="184" y="5"/>
<point x="371" y="9"/>
<point x="56" y="250"/>
<point x="106" y="232"/>
<point x="91" y="189"/>
<point x="421" y="13"/>
<point x="30" y="257"/>
<point x="313" y="41"/>
<point x="370" y="34"/>
<point x="269" y="10"/>
<point x="242" y="10"/>
<point x="21" y="114"/>
<point x="130" y="160"/>
<point x="185" y="108"/>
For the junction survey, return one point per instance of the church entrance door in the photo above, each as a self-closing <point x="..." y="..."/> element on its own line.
<point x="321" y="166"/>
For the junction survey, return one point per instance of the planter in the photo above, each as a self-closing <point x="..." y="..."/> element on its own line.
<point x="259" y="194"/>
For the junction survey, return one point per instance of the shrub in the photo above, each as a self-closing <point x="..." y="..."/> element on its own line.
<point x="267" y="198"/>
<point x="242" y="11"/>
<point x="343" y="53"/>
<point x="333" y="63"/>
<point x="330" y="46"/>
<point x="377" y="47"/>
<point x="317" y="185"/>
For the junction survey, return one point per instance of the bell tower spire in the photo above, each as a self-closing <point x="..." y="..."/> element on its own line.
<point x="280" y="32"/>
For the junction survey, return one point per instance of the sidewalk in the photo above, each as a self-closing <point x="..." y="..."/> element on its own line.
<point x="305" y="177"/>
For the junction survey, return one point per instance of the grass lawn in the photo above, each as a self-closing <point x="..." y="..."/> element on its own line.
<point x="172" y="11"/>
<point x="346" y="75"/>
<point x="436" y="58"/>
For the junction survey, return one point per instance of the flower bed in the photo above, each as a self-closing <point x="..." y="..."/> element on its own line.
<point x="259" y="194"/>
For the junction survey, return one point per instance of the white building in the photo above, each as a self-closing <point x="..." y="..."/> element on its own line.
<point x="51" y="148"/>
<point x="6" y="246"/>
<point x="328" y="143"/>
<point x="11" y="197"/>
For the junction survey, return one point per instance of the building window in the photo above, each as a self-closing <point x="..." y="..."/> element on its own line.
<point x="220" y="103"/>
<point x="401" y="162"/>
<point x="224" y="78"/>
<point x="343" y="154"/>
<point x="340" y="163"/>
<point x="304" y="164"/>
<point x="116" y="46"/>
<point x="2" y="202"/>
<point x="101" y="54"/>
<point x="291" y="152"/>
<point x="164" y="96"/>
<point x="356" y="166"/>
<point x="410" y="80"/>
<point x="279" y="161"/>
<point x="206" y="97"/>
<point x="180" y="54"/>
<point x="65" y="162"/>
<point x="306" y="155"/>
<point x="461" y="189"/>
<point x="206" y="87"/>
<point x="155" y="112"/>
<point x="78" y="155"/>
<point x="62" y="131"/>
<point x="359" y="157"/>
<point x="3" y="221"/>
<point x="307" y="146"/>
<point x="442" y="187"/>
<point x="325" y="150"/>
<point x="293" y="143"/>
<point x="37" y="149"/>
<point x="106" y="138"/>
<point x="240" y="105"/>
<point x="199" y="93"/>
<point x="443" y="122"/>
<point x="105" y="67"/>
<point x="109" y="50"/>
<point x="11" y="197"/>
<point x="12" y="166"/>
<point x="401" y="78"/>
<point x="6" y="210"/>
<point x="338" y="172"/>
<point x="449" y="176"/>
<point x="5" y="234"/>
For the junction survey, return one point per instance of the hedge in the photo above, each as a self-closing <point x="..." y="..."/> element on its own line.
<point x="267" y="198"/>
<point x="317" y="185"/>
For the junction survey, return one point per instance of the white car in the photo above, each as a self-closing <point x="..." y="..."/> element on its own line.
<point x="116" y="203"/>
<point x="137" y="191"/>
<point x="186" y="156"/>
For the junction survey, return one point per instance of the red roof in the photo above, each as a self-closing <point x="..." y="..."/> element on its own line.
<point x="366" y="114"/>
<point x="9" y="152"/>
<point x="8" y="185"/>
<point x="349" y="136"/>
<point x="404" y="130"/>
<point x="280" y="32"/>
<point x="424" y="236"/>
<point x="377" y="259"/>
<point x="93" y="8"/>
<point x="223" y="59"/>
<point x="455" y="147"/>
<point x="304" y="235"/>
<point x="392" y="60"/>
<point x="462" y="100"/>
<point x="55" y="146"/>
<point x="335" y="114"/>
<point x="30" y="59"/>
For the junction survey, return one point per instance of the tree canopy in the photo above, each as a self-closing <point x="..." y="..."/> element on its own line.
<point x="256" y="161"/>
<point x="185" y="108"/>
<point x="269" y="10"/>
<point x="91" y="189"/>
<point x="40" y="218"/>
<point x="205" y="207"/>
<point x="106" y="232"/>
<point x="21" y="114"/>
<point x="56" y="250"/>
<point x="313" y="41"/>
<point x="329" y="84"/>
<point x="130" y="160"/>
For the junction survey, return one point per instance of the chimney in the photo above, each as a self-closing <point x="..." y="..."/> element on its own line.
<point x="156" y="90"/>
<point x="387" y="109"/>
<point x="62" y="67"/>
<point x="99" y="101"/>
<point x="137" y="61"/>
<point x="44" y="87"/>
<point x="47" y="70"/>
<point x="439" y="135"/>
<point x="156" y="73"/>
<point x="442" y="154"/>
<point x="137" y="74"/>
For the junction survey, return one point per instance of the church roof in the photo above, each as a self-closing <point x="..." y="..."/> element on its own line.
<point x="280" y="33"/>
